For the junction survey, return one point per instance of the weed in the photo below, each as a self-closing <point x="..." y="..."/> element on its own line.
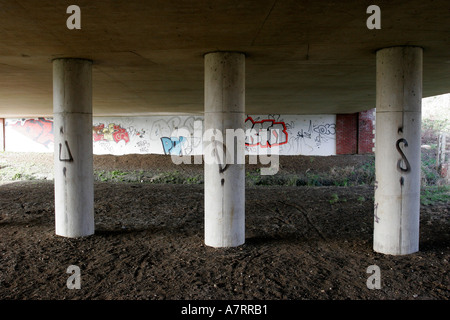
<point x="430" y="195"/>
<point x="194" y="180"/>
<point x="117" y="173"/>
<point x="17" y="176"/>
<point x="292" y="181"/>
<point x="252" y="178"/>
<point x="334" y="198"/>
<point x="314" y="179"/>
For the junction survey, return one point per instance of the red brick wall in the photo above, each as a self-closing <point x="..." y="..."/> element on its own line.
<point x="346" y="133"/>
<point x="355" y="132"/>
<point x="366" y="134"/>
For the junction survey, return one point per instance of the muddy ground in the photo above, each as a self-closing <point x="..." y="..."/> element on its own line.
<point x="302" y="242"/>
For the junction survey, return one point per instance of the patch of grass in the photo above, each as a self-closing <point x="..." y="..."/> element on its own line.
<point x="334" y="198"/>
<point x="197" y="179"/>
<point x="22" y="176"/>
<point x="431" y="195"/>
<point x="252" y="178"/>
<point x="115" y="175"/>
<point x="314" y="179"/>
<point x="361" y="199"/>
<point x="341" y="183"/>
<point x="430" y="175"/>
<point x="102" y="176"/>
<point x="17" y="176"/>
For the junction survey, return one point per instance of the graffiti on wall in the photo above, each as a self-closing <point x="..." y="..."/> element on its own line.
<point x="324" y="132"/>
<point x="111" y="132"/>
<point x="172" y="146"/>
<point x="189" y="142"/>
<point x="182" y="135"/>
<point x="265" y="133"/>
<point x="314" y="136"/>
<point x="39" y="130"/>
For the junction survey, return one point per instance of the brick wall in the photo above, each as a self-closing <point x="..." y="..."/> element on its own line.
<point x="366" y="132"/>
<point x="346" y="133"/>
<point x="355" y="132"/>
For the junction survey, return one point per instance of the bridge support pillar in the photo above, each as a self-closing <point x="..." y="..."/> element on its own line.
<point x="397" y="150"/>
<point x="224" y="149"/>
<point x="73" y="155"/>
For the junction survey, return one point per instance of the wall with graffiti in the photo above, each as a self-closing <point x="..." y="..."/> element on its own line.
<point x="143" y="135"/>
<point x="29" y="135"/>
<point x="182" y="135"/>
<point x="293" y="134"/>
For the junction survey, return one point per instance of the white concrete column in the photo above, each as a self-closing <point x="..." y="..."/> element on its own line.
<point x="397" y="150"/>
<point x="224" y="177"/>
<point x="73" y="156"/>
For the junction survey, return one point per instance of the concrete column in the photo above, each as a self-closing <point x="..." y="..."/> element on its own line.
<point x="225" y="177"/>
<point x="397" y="150"/>
<point x="74" y="181"/>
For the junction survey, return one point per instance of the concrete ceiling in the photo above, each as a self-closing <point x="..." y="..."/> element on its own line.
<point x="304" y="56"/>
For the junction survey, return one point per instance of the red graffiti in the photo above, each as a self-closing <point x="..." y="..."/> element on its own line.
<point x="111" y="133"/>
<point x="120" y="134"/>
<point x="40" y="130"/>
<point x="270" y="126"/>
<point x="97" y="132"/>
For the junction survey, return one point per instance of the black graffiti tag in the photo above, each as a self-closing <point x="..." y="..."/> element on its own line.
<point x="69" y="158"/>
<point x="404" y="159"/>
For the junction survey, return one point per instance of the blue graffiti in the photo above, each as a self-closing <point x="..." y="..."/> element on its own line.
<point x="172" y="146"/>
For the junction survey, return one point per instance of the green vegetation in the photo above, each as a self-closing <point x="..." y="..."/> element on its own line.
<point x="17" y="176"/>
<point x="340" y="177"/>
<point x="115" y="175"/>
<point x="434" y="190"/>
<point x="173" y="177"/>
<point x="430" y="175"/>
<point x="334" y="198"/>
<point x="435" y="125"/>
<point x="361" y="199"/>
<point x="431" y="195"/>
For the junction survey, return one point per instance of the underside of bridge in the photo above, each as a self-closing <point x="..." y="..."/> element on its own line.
<point x="302" y="57"/>
<point x="224" y="59"/>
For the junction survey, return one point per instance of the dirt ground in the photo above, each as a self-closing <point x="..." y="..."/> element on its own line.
<point x="302" y="242"/>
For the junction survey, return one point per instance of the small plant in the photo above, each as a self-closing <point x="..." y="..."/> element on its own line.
<point x="314" y="179"/>
<point x="17" y="176"/>
<point x="117" y="173"/>
<point x="194" y="180"/>
<point x="252" y="178"/>
<point x="334" y="198"/>
<point x="292" y="181"/>
<point x="361" y="199"/>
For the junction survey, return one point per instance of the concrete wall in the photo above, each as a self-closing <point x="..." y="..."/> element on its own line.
<point x="298" y="134"/>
